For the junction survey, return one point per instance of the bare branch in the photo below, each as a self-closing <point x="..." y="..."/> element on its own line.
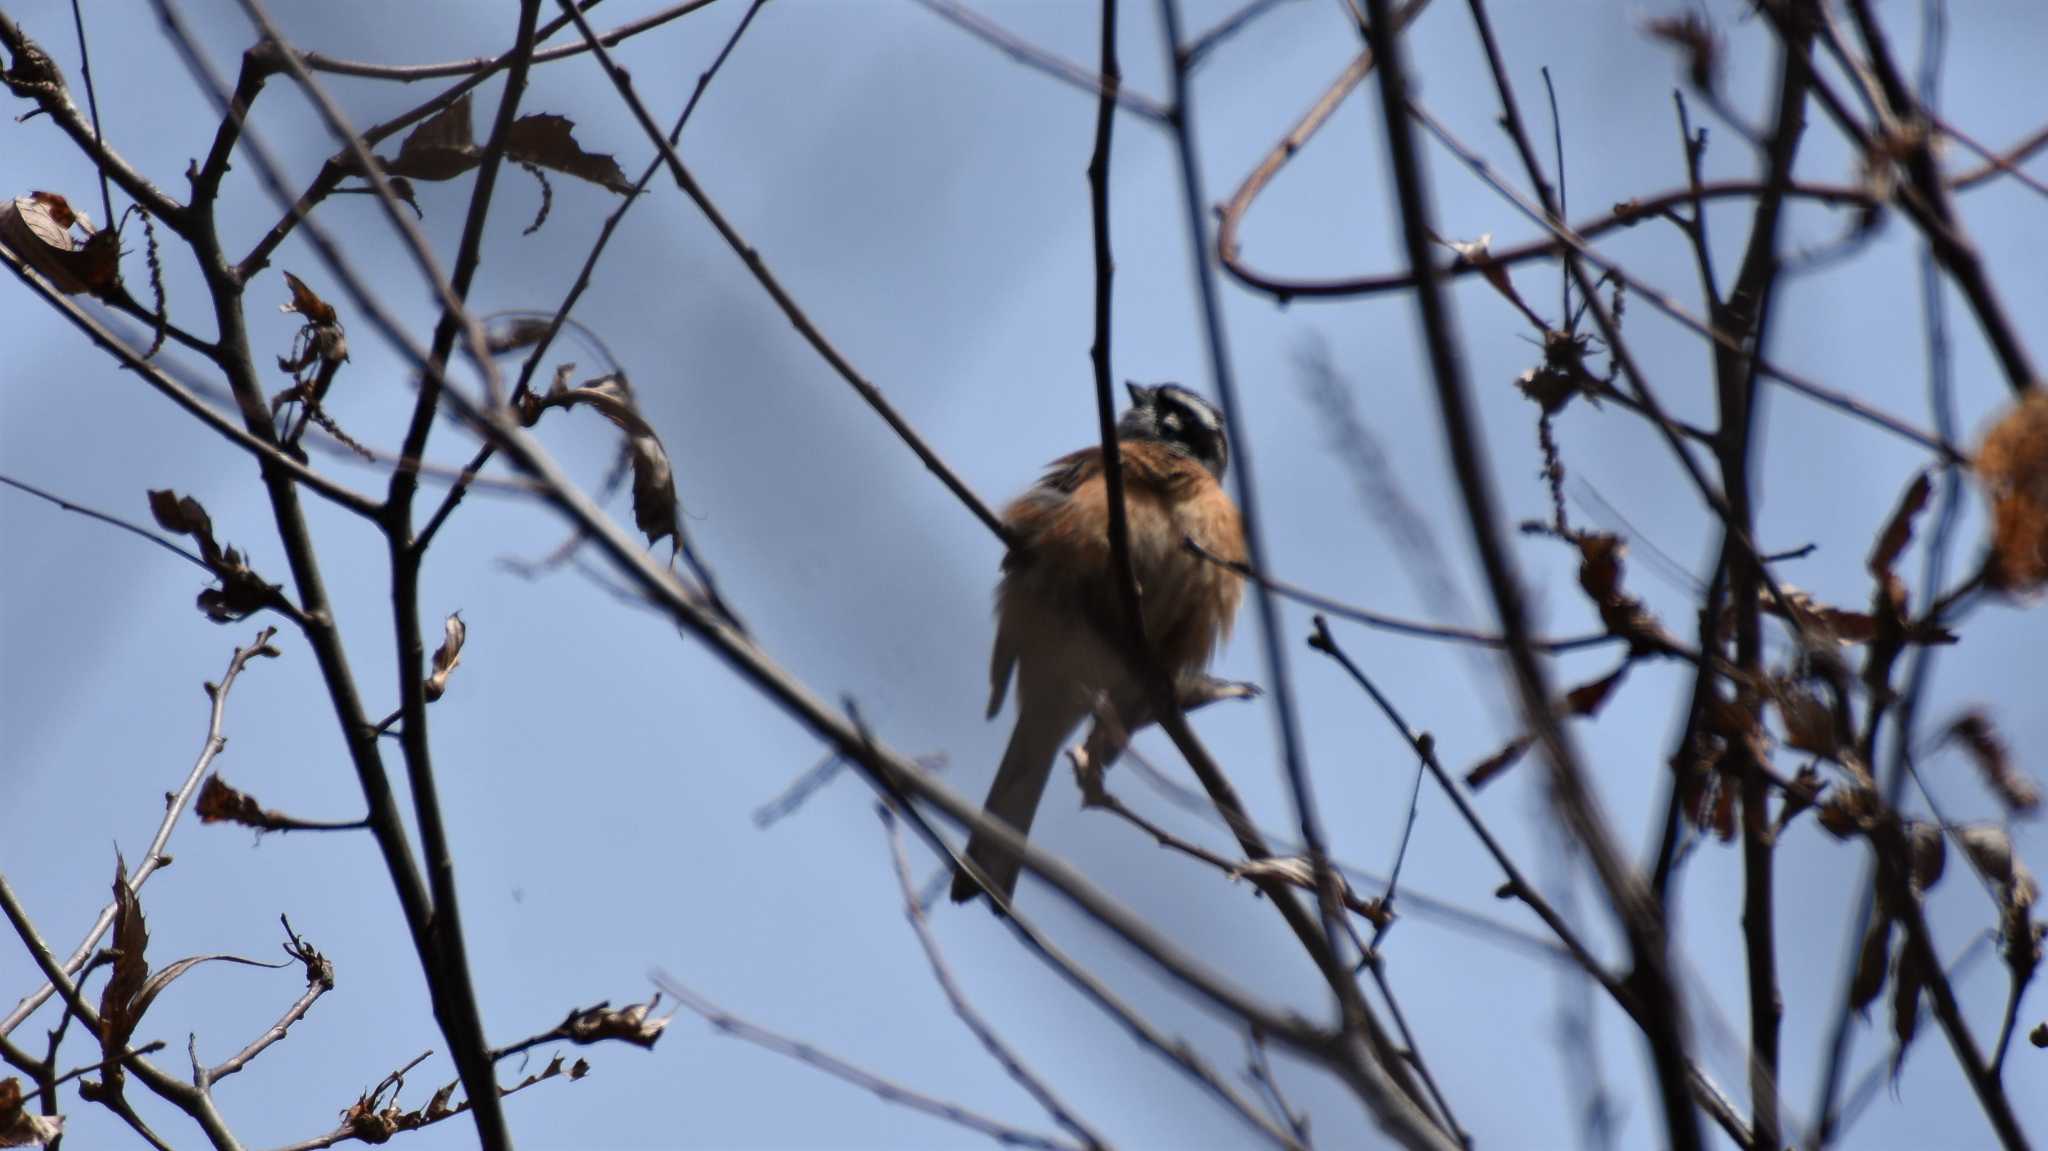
<point x="886" y="1089"/>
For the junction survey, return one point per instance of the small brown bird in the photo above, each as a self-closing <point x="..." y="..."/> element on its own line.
<point x="1060" y="624"/>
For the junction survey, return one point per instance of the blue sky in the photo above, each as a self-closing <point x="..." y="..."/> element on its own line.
<point x="924" y="199"/>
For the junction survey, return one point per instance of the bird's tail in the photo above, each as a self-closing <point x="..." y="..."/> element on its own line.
<point x="1013" y="798"/>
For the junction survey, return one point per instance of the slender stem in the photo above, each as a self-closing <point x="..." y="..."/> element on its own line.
<point x="154" y="857"/>
<point x="1059" y="1111"/>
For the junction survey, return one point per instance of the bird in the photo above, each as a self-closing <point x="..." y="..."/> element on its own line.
<point x="1060" y="626"/>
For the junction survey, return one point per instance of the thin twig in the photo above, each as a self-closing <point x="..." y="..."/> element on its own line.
<point x="154" y="857"/>
<point x="1031" y="56"/>
<point x="796" y="315"/>
<point x="178" y="393"/>
<point x="483" y="67"/>
<point x="1060" y="1112"/>
<point x="319" y="981"/>
<point x="110" y="520"/>
<point x="1224" y="29"/>
<point x="886" y="1089"/>
<point x="187" y="1098"/>
<point x="1388" y="623"/>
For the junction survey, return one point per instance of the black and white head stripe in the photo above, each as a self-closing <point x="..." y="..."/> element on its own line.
<point x="1177" y="416"/>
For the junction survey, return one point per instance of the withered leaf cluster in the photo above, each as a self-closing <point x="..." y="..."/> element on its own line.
<point x="375" y="1119"/>
<point x="241" y="590"/>
<point x="634" y="1023"/>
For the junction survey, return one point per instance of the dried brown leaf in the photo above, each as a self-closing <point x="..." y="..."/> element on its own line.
<point x="447" y="656"/>
<point x="628" y="1024"/>
<point x="654" y="481"/>
<point x="118" y="1010"/>
<point x="445" y="147"/>
<point x="1872" y="959"/>
<point x="186" y="517"/>
<point x="1898" y="531"/>
<point x="1479" y="254"/>
<point x="442" y="148"/>
<point x="438" y="1107"/>
<point x="1588" y="698"/>
<point x="241" y="590"/>
<point x="1498" y="762"/>
<point x="1690" y="34"/>
<point x="1808" y="720"/>
<point x="1846" y="810"/>
<point x="39" y="227"/>
<point x="2012" y="465"/>
<point x="1990" y="850"/>
<point x="1600" y="576"/>
<point x="548" y="141"/>
<point x="1928" y="852"/>
<point x="18" y="1126"/>
<point x="1981" y="741"/>
<point x="220" y="803"/>
<point x="306" y="303"/>
<point x="1908" y="980"/>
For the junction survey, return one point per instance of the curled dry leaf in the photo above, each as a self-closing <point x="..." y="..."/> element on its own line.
<point x="548" y="141"/>
<point x="1898" y="531"/>
<point x="40" y="226"/>
<point x="447" y="656"/>
<point x="1909" y="979"/>
<point x="1808" y="721"/>
<point x="1298" y="871"/>
<point x="654" y="480"/>
<point x="1588" y="698"/>
<point x="1479" y="254"/>
<point x="1928" y="853"/>
<point x="1990" y="849"/>
<point x="1847" y="810"/>
<point x="306" y="303"/>
<point x="119" y="1012"/>
<point x="1498" y="762"/>
<point x="241" y="591"/>
<point x="628" y="1024"/>
<point x="1844" y="626"/>
<point x="1623" y="615"/>
<point x="18" y="1126"/>
<point x="318" y="350"/>
<point x="1872" y="960"/>
<point x="2039" y="1035"/>
<point x="2012" y="465"/>
<point x="1974" y="731"/>
<point x="1690" y="34"/>
<point x="219" y="803"/>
